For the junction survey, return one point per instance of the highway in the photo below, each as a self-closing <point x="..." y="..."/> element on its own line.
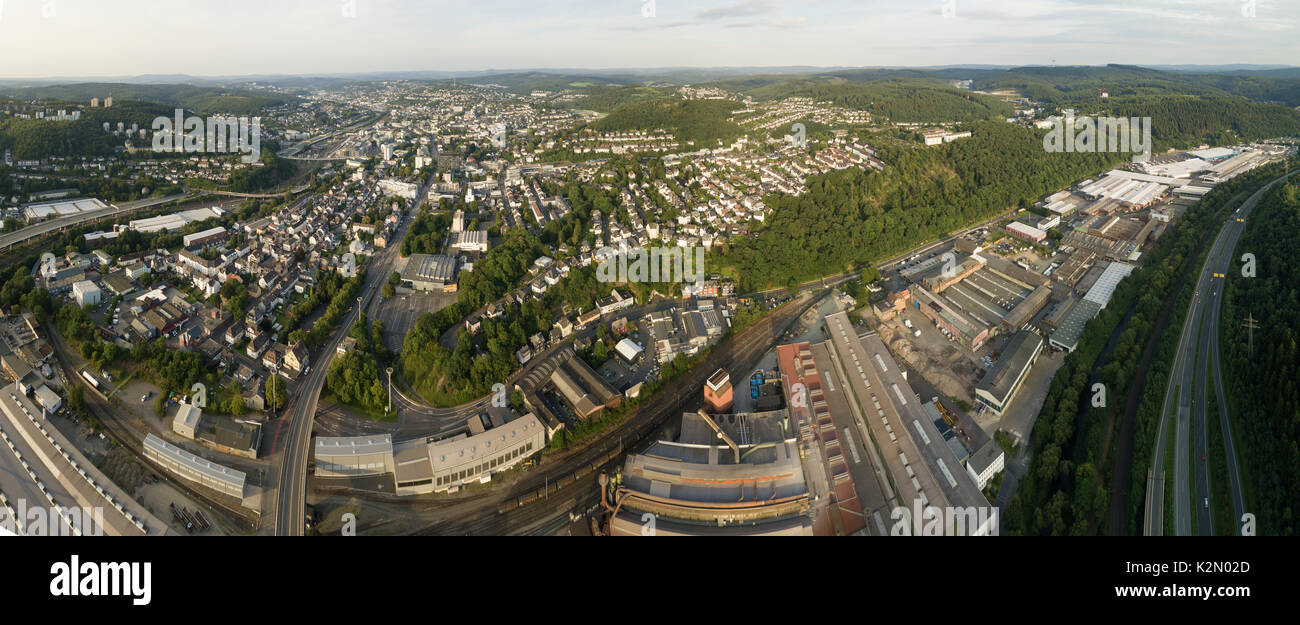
<point x="53" y="225"/>
<point x="1186" y="396"/>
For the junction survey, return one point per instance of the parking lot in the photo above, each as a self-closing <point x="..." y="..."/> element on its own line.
<point x="400" y="313"/>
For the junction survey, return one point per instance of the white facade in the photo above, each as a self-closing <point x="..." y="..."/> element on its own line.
<point x="86" y="293"/>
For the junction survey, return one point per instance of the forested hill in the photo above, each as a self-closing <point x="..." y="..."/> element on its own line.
<point x="1182" y="122"/>
<point x="1079" y="86"/>
<point x="704" y="122"/>
<point x="911" y="101"/>
<point x="201" y="100"/>
<point x="852" y="217"/>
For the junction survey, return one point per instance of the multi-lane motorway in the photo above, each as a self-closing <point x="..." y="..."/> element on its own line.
<point x="1186" y="398"/>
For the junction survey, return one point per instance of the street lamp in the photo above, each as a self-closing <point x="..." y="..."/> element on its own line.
<point x="390" y="389"/>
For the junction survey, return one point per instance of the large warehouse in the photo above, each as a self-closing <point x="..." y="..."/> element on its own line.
<point x="1001" y="383"/>
<point x="435" y="274"/>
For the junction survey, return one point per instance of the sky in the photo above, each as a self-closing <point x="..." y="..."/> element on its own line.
<point x="117" y="38"/>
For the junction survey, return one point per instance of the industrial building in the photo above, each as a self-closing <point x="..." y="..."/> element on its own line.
<point x="175" y="221"/>
<point x="440" y="466"/>
<point x="186" y="421"/>
<point x="915" y="453"/>
<point x="629" y="350"/>
<point x="207" y="237"/>
<point x="1071" y="328"/>
<point x="753" y="484"/>
<point x="427" y="465"/>
<point x="471" y="241"/>
<point x="354" y="456"/>
<point x="986" y="463"/>
<point x="585" y="391"/>
<point x="188" y="466"/>
<point x="563" y="384"/>
<point x="1001" y="383"/>
<point x="40" y="212"/>
<point x="86" y="293"/>
<point x="975" y="297"/>
<point x="1027" y="232"/>
<point x="430" y="273"/>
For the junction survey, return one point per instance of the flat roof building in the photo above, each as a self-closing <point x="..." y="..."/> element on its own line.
<point x="696" y="486"/>
<point x="1001" y="383"/>
<point x="432" y="273"/>
<point x="186" y="421"/>
<point x="1067" y="335"/>
<point x="986" y="463"/>
<point x="354" y="456"/>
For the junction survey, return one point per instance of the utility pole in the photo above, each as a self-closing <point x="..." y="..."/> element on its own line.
<point x="1251" y="326"/>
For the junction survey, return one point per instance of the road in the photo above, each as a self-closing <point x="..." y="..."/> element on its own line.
<point x="22" y="236"/>
<point x="288" y="478"/>
<point x="1186" y="396"/>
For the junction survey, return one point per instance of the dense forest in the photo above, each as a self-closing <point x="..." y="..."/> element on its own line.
<point x="852" y="217"/>
<point x="607" y="98"/>
<point x="1179" y="121"/>
<point x="704" y="122"/>
<point x="202" y="100"/>
<point x="37" y="138"/>
<point x="911" y="101"/>
<point x="1264" y="385"/>
<point x="357" y="378"/>
<point x="1078" y="86"/>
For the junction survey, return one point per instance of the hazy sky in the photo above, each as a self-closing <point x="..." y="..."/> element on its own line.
<point x="57" y="38"/>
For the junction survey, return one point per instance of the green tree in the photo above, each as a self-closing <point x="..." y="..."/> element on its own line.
<point x="275" y="392"/>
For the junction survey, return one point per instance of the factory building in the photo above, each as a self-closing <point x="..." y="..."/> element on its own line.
<point x="433" y="274"/>
<point x="1001" y="383"/>
<point x="190" y="467"/>
<point x="426" y="465"/>
<point x="86" y="293"/>
<point x="1027" y="232"/>
<point x="752" y="484"/>
<point x="354" y="456"/>
<point x="986" y="463"/>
